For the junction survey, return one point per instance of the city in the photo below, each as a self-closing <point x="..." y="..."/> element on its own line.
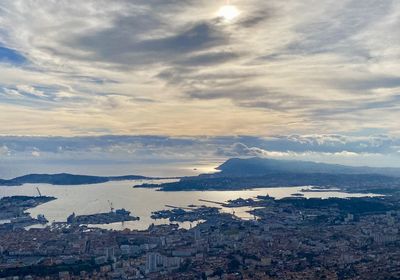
<point x="292" y="238"/>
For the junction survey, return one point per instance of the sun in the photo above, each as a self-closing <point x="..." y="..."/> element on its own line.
<point x="228" y="12"/>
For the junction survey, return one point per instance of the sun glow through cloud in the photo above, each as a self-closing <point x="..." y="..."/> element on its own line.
<point x="228" y="12"/>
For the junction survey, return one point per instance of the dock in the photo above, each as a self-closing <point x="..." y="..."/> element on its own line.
<point x="215" y="202"/>
<point x="177" y="207"/>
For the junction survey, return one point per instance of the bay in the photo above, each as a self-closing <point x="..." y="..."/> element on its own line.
<point x="97" y="198"/>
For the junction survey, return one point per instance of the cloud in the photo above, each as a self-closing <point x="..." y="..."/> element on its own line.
<point x="30" y="90"/>
<point x="161" y="146"/>
<point x="36" y="153"/>
<point x="210" y="58"/>
<point x="321" y="35"/>
<point x="4" y="151"/>
<point x="278" y="69"/>
<point x="201" y="36"/>
<point x="123" y="43"/>
<point x="241" y="150"/>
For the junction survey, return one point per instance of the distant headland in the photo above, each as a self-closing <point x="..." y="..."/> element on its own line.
<point x="66" y="179"/>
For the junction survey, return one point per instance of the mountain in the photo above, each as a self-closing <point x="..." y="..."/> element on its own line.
<point x="236" y="174"/>
<point x="261" y="166"/>
<point x="65" y="179"/>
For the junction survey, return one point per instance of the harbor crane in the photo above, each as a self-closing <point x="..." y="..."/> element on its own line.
<point x="40" y="194"/>
<point x="111" y="206"/>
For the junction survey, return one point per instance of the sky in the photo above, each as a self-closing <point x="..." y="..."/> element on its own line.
<point x="182" y="69"/>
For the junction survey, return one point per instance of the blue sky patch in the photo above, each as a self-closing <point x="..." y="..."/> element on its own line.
<point x="11" y="56"/>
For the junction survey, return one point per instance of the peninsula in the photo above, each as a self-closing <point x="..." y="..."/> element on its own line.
<point x="238" y="174"/>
